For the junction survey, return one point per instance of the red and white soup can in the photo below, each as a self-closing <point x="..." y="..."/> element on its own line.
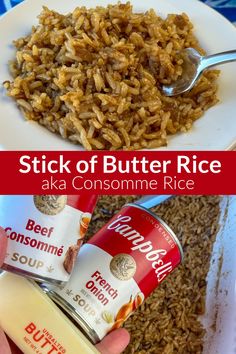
<point x="117" y="269"/>
<point x="44" y="233"/>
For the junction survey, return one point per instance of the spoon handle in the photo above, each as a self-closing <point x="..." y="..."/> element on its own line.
<point x="220" y="58"/>
<point x="150" y="201"/>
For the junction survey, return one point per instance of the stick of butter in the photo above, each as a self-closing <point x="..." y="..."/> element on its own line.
<point x="34" y="322"/>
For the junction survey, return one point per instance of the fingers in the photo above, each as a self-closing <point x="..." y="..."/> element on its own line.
<point x="4" y="346"/>
<point x="3" y="245"/>
<point x="115" y="342"/>
<point x="14" y="349"/>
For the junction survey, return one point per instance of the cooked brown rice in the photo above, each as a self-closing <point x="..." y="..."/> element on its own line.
<point x="94" y="76"/>
<point x="168" y="321"/>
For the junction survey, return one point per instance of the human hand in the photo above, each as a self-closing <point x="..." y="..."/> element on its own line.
<point x="114" y="343"/>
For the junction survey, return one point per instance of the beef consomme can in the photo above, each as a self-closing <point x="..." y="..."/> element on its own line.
<point x="117" y="269"/>
<point x="44" y="234"/>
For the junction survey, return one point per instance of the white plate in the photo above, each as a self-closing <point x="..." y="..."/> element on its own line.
<point x="216" y="130"/>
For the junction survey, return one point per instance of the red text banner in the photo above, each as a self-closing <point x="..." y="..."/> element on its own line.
<point x="141" y="172"/>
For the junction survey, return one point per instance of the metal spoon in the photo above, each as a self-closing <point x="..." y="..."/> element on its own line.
<point x="150" y="201"/>
<point x="193" y="66"/>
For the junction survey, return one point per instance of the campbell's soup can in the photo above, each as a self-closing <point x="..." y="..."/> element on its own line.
<point x="117" y="269"/>
<point x="44" y="234"/>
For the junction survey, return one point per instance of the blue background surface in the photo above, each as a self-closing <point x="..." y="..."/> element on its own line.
<point x="225" y="7"/>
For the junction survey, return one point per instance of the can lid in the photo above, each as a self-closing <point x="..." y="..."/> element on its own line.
<point x="163" y="223"/>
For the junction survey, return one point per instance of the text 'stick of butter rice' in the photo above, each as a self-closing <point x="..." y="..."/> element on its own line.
<point x="94" y="76"/>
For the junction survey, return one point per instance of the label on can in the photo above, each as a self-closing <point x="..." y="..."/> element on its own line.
<point x="44" y="233"/>
<point x="119" y="267"/>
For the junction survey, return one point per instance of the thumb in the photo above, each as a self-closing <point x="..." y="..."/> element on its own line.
<point x="115" y="342"/>
<point x="3" y="245"/>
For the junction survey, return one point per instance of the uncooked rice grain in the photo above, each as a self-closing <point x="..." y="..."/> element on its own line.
<point x="104" y="68"/>
<point x="168" y="321"/>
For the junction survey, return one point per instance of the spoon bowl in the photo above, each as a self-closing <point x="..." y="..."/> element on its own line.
<point x="193" y="66"/>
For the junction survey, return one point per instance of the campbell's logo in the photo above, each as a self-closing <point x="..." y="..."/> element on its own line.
<point x="123" y="266"/>
<point x="50" y="204"/>
<point x="138" y="243"/>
